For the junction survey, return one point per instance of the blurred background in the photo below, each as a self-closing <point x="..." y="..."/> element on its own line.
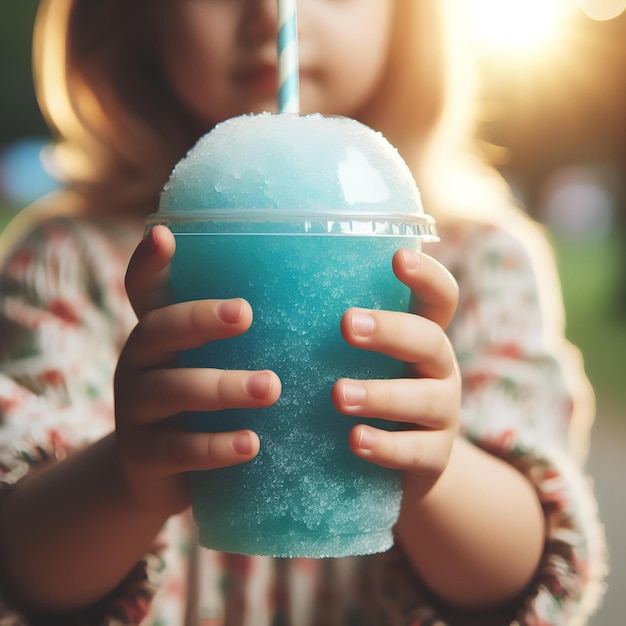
<point x="553" y="120"/>
<point x="553" y="80"/>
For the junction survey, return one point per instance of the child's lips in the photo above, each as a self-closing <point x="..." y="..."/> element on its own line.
<point x="261" y="77"/>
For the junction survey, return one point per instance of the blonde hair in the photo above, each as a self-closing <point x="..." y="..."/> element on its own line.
<point x="119" y="129"/>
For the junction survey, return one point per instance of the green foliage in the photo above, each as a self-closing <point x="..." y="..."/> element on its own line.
<point x="7" y="212"/>
<point x="20" y="116"/>
<point x="591" y="273"/>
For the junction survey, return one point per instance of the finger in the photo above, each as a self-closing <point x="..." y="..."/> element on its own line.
<point x="166" y="451"/>
<point x="164" y="332"/>
<point x="160" y="393"/>
<point x="426" y="402"/>
<point x="415" y="340"/>
<point x="435" y="292"/>
<point x="424" y="453"/>
<point x="147" y="277"/>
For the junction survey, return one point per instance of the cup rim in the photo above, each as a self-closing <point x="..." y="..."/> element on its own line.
<point x="270" y="221"/>
<point x="293" y="215"/>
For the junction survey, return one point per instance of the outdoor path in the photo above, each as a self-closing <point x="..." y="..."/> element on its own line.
<point x="607" y="466"/>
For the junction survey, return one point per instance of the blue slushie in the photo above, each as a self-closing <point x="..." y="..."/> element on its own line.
<point x="299" y="215"/>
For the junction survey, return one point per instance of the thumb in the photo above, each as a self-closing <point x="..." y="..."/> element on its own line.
<point x="147" y="277"/>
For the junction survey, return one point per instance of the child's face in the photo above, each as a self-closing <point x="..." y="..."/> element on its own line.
<point x="220" y="55"/>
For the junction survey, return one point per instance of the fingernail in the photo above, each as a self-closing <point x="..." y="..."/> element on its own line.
<point x="229" y="311"/>
<point x="411" y="259"/>
<point x="363" y="325"/>
<point x="259" y="385"/>
<point x="354" y="394"/>
<point x="150" y="240"/>
<point x="242" y="444"/>
<point x="368" y="439"/>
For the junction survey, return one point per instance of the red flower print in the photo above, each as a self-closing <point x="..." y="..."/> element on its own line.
<point x="53" y="377"/>
<point x="8" y="404"/>
<point x="240" y="564"/>
<point x="509" y="350"/>
<point x="57" y="444"/>
<point x="504" y="441"/>
<point x="550" y="473"/>
<point x="63" y="310"/>
<point x="477" y="380"/>
<point x="20" y="262"/>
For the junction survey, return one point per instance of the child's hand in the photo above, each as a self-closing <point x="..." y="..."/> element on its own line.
<point x="427" y="403"/>
<point x="150" y="391"/>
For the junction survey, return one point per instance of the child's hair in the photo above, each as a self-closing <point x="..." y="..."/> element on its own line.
<point x="120" y="129"/>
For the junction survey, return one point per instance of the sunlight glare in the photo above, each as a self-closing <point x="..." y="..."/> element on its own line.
<point x="516" y="24"/>
<point x="603" y="9"/>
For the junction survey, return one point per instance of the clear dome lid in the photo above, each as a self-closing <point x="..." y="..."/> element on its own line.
<point x="292" y="173"/>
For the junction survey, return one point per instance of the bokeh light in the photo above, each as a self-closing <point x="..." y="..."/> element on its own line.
<point x="25" y="171"/>
<point x="518" y="25"/>
<point x="603" y="9"/>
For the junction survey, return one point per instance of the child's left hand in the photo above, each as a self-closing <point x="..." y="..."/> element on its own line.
<point x="427" y="402"/>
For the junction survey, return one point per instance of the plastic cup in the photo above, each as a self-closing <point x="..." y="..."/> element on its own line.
<point x="239" y="233"/>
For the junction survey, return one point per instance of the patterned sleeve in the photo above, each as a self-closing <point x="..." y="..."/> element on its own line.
<point x="63" y="319"/>
<point x="526" y="400"/>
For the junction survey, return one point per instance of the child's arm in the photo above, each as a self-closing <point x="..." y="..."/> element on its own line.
<point x="72" y="530"/>
<point x="70" y="533"/>
<point x="466" y="516"/>
<point x="476" y="537"/>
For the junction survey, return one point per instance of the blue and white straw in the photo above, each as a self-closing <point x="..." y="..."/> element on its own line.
<point x="288" y="63"/>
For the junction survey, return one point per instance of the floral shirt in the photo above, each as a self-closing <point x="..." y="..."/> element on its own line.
<point x="64" y="317"/>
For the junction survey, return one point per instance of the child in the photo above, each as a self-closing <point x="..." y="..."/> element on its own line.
<point x="497" y="523"/>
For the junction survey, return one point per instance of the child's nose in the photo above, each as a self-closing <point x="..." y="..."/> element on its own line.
<point x="259" y="20"/>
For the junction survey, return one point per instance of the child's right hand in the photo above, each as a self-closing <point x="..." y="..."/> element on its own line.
<point x="154" y="449"/>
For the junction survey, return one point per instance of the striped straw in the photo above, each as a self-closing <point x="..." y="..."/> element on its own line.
<point x="288" y="65"/>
